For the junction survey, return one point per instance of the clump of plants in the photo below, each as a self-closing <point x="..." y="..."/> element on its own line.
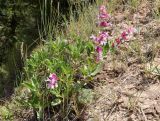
<point x="57" y="74"/>
<point x="108" y="39"/>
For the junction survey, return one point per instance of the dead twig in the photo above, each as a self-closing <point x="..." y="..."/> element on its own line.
<point x="144" y="116"/>
<point x="114" y="107"/>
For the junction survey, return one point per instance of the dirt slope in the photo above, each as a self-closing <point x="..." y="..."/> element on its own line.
<point x="128" y="88"/>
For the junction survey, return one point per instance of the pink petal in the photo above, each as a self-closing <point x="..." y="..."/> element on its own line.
<point x="99" y="57"/>
<point x="124" y="35"/>
<point x="50" y="86"/>
<point x="53" y="77"/>
<point x="52" y="81"/>
<point x="99" y="49"/>
<point x="102" y="9"/>
<point x="131" y="30"/>
<point x="113" y="45"/>
<point x="104" y="24"/>
<point x="104" y="16"/>
<point x="93" y="37"/>
<point x="118" y="41"/>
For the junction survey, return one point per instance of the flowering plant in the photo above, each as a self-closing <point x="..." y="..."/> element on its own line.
<point x="52" y="81"/>
<point x="105" y="41"/>
<point x="55" y="72"/>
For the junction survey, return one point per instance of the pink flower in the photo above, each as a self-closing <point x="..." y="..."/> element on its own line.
<point x="118" y="41"/>
<point x="102" y="9"/>
<point x="101" y="39"/>
<point x="131" y="30"/>
<point x="93" y="37"/>
<point x="52" y="81"/>
<point x="103" y="13"/>
<point x="104" y="24"/>
<point x="124" y="35"/>
<point x="128" y="34"/>
<point x="99" y="50"/>
<point x="113" y="45"/>
<point x="104" y="16"/>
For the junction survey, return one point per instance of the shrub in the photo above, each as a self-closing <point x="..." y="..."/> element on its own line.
<point x="70" y="64"/>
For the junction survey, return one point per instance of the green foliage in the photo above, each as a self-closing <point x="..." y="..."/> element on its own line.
<point x="21" y="21"/>
<point x="18" y="27"/>
<point x="5" y="113"/>
<point x="73" y="62"/>
<point x="86" y="96"/>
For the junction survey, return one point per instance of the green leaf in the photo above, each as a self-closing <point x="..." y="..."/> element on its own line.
<point x="105" y="49"/>
<point x="85" y="96"/>
<point x="98" y="69"/>
<point x="56" y="102"/>
<point x="30" y="86"/>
